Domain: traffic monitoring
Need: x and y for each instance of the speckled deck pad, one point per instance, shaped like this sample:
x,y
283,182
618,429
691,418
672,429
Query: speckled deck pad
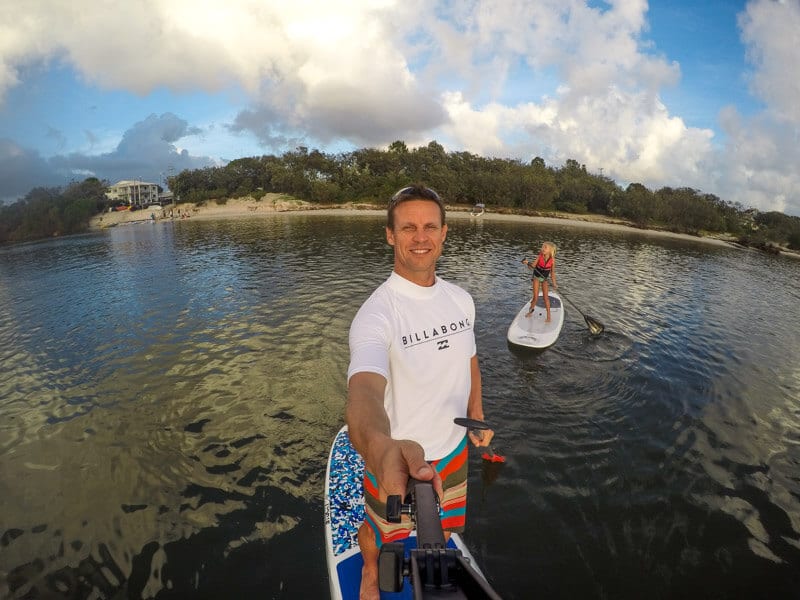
x,y
346,493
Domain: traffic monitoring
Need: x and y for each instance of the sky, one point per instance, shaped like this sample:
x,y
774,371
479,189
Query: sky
x,y
680,93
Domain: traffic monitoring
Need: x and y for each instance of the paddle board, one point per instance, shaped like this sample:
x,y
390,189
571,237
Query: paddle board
x,y
532,331
344,513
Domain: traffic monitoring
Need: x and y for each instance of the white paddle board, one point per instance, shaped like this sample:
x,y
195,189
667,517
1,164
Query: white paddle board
x,y
344,514
532,331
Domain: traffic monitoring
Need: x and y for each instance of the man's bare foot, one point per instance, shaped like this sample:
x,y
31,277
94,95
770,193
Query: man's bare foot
x,y
369,584
547,320
529,313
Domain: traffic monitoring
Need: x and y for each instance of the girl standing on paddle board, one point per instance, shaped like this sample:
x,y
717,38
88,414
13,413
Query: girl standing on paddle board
x,y
544,267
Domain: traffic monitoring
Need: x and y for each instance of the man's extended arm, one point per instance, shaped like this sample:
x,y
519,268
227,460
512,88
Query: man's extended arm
x,y
391,461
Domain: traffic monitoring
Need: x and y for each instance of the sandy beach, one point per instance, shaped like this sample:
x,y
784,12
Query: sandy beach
x,y
274,203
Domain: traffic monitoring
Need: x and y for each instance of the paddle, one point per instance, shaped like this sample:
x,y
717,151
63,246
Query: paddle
x,y
476,427
595,326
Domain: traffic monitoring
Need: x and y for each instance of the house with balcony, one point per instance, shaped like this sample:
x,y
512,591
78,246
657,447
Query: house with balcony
x,y
136,194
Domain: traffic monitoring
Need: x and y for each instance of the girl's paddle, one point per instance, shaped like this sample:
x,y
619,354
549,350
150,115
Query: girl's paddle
x,y
595,326
476,427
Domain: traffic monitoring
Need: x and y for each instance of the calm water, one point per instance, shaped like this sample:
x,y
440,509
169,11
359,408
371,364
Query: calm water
x,y
169,392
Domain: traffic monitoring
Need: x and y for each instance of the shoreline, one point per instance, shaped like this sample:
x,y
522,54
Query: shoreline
x,y
278,203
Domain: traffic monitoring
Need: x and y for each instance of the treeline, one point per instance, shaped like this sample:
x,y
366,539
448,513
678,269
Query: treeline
x,y
372,175
48,212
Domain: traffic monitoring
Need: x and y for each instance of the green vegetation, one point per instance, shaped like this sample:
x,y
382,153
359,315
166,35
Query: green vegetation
x,y
49,212
372,175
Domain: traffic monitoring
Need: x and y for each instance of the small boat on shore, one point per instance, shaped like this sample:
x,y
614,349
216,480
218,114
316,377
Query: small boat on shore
x,y
477,210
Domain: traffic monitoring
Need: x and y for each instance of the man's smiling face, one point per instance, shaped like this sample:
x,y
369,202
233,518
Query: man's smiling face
x,y
417,238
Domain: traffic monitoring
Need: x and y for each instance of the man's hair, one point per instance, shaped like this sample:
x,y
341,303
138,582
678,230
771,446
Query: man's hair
x,y
416,191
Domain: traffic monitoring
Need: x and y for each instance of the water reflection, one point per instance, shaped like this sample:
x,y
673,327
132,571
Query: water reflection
x,y
170,391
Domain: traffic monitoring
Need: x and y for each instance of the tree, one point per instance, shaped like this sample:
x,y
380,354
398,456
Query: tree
x,y
635,204
47,212
398,147
372,174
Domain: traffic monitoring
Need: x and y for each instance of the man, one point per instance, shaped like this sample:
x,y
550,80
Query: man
x,y
413,369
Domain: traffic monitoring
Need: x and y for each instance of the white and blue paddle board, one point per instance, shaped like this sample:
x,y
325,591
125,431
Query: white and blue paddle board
x,y
344,514
531,331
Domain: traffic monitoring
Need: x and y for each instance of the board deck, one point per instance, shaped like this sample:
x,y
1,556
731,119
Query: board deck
x,y
532,331
344,513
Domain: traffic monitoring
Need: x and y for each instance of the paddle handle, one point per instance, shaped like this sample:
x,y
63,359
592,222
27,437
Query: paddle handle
x,y
471,423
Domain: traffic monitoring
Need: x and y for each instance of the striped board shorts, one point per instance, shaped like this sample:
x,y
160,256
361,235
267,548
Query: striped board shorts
x,y
453,471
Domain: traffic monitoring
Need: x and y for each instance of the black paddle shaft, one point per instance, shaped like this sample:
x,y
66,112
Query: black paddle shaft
x,y
595,326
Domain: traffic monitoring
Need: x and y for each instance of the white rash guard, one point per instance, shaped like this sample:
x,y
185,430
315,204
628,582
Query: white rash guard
x,y
421,339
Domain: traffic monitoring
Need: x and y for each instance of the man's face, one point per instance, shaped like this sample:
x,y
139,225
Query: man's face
x,y
417,238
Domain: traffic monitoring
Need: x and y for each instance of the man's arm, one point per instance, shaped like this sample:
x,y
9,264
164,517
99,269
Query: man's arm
x,y
391,461
475,404
367,421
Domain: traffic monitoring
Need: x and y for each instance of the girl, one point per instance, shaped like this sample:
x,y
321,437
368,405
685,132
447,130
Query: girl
x,y
544,267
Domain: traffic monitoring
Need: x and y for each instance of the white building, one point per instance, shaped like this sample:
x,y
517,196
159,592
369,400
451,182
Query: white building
x,y
133,193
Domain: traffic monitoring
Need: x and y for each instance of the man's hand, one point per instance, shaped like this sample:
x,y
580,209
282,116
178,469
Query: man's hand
x,y
480,437
399,460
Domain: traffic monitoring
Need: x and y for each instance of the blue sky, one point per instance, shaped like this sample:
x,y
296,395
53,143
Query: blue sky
x,y
663,93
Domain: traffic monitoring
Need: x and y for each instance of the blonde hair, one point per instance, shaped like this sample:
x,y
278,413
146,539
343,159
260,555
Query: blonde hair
x,y
552,247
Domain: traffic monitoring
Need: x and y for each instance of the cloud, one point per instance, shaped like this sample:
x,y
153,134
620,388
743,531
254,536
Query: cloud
x,y
552,78
771,31
330,70
346,78
605,113
147,151
758,165
22,169
57,136
266,125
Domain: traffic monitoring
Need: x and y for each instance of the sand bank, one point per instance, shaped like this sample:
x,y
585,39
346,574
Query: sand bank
x,y
239,207
276,203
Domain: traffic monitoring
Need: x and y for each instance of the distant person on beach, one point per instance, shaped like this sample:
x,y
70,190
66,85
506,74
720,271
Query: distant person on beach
x,y
413,369
543,267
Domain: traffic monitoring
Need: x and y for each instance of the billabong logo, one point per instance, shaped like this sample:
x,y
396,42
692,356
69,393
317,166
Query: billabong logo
x,y
443,345
429,335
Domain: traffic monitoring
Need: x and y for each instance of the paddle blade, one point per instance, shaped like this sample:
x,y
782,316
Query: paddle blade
x,y
495,458
596,327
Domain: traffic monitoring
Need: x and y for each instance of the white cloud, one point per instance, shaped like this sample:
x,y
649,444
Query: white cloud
x,y
628,136
332,68
758,166
606,113
771,31
370,72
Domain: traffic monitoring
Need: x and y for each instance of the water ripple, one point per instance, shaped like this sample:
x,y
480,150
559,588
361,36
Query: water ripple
x,y
169,394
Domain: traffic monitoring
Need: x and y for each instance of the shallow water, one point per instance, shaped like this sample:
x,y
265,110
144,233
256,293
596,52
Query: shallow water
x,y
169,393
